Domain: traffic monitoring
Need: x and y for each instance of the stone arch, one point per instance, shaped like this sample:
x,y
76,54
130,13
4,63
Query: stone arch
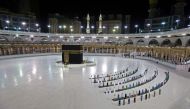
x,y
97,40
178,42
188,43
140,42
153,42
18,39
42,40
166,42
129,42
1,50
87,40
3,39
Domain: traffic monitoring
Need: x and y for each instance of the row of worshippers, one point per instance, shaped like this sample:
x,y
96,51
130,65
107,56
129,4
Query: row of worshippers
x,y
103,84
145,92
130,99
115,77
130,86
108,75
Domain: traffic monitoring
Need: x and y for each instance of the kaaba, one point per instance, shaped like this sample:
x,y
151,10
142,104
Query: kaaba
x,y
72,54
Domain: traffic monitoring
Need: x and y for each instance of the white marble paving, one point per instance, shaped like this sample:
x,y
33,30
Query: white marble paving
x,y
38,83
